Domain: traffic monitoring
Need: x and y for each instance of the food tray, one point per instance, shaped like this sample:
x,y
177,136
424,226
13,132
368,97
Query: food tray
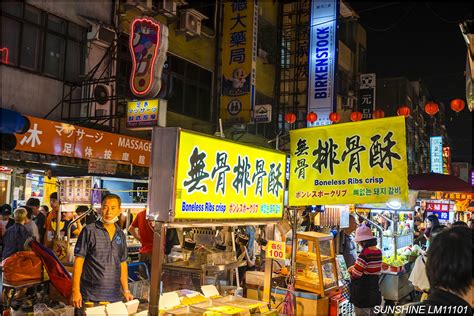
x,y
181,311
219,308
252,306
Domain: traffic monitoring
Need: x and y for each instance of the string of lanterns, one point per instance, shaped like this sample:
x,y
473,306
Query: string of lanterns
x,y
431,108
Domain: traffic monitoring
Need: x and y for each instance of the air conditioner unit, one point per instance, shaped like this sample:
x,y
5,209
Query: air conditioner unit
x,y
190,22
101,35
142,5
263,54
169,8
99,103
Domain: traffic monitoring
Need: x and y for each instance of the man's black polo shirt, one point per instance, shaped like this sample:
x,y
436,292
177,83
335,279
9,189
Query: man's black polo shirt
x,y
100,279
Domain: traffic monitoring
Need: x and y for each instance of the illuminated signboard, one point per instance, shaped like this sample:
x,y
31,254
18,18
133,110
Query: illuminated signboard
x,y
144,114
436,154
446,160
239,60
351,163
148,46
219,179
322,59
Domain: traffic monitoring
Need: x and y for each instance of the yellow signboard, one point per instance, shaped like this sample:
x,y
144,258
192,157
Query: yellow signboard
x,y
239,60
142,113
350,163
219,179
276,250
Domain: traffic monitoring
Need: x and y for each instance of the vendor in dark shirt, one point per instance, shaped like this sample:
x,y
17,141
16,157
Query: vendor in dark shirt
x,y
16,236
100,266
38,217
6,210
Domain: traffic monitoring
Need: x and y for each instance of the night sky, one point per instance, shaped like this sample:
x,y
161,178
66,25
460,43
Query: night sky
x,y
422,40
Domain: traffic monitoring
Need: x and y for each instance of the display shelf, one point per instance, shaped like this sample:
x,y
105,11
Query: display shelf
x,y
316,264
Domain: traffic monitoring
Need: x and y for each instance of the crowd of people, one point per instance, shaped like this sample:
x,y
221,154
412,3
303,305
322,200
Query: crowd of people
x,y
38,222
442,273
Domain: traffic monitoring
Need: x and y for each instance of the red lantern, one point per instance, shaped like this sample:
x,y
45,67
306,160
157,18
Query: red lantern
x,y
290,118
404,110
356,116
379,113
311,117
457,105
334,117
431,108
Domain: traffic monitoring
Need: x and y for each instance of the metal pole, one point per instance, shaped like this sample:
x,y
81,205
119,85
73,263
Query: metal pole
x,y
267,281
157,256
58,216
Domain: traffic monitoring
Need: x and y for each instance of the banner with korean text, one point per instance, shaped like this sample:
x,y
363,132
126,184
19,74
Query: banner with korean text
x,y
239,60
62,139
219,179
350,163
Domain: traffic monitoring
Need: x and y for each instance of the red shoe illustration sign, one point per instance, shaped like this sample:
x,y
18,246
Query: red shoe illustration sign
x,y
148,46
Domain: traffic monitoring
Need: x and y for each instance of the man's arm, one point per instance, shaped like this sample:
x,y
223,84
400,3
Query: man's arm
x,y
133,230
76,282
124,281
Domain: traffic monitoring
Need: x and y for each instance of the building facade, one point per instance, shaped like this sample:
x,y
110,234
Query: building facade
x,y
294,63
70,64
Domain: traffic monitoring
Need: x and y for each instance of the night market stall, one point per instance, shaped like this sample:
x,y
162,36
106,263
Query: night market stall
x,y
207,186
354,163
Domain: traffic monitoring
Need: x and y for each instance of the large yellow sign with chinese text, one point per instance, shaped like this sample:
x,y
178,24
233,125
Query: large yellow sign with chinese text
x,y
350,163
219,179
239,60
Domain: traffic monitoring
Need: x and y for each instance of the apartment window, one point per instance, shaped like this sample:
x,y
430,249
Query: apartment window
x,y
190,90
43,43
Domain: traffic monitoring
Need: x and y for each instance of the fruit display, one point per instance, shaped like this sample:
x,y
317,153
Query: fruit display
x,y
404,255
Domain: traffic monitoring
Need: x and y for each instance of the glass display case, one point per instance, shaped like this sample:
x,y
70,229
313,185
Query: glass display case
x,y
316,269
395,230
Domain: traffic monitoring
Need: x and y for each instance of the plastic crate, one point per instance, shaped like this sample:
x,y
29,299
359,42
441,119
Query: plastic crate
x,y
339,306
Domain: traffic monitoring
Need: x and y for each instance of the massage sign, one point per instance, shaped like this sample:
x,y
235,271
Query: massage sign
x,y
351,163
148,46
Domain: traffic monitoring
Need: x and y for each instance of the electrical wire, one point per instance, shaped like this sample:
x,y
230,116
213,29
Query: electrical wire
x,y
440,17
392,26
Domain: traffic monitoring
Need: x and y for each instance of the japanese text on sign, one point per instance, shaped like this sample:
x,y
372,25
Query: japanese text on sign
x,y
276,250
218,179
55,138
363,162
239,59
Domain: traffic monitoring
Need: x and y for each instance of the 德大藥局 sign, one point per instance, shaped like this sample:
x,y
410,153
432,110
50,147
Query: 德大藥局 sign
x,y
239,60
351,163
219,179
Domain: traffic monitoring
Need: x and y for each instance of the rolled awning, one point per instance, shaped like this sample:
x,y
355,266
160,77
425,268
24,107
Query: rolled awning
x,y
438,182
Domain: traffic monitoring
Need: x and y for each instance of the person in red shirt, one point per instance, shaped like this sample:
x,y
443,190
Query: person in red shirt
x,y
142,230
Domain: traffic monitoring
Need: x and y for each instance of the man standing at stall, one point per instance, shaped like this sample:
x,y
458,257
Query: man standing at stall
x,y
49,229
141,229
347,245
100,268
